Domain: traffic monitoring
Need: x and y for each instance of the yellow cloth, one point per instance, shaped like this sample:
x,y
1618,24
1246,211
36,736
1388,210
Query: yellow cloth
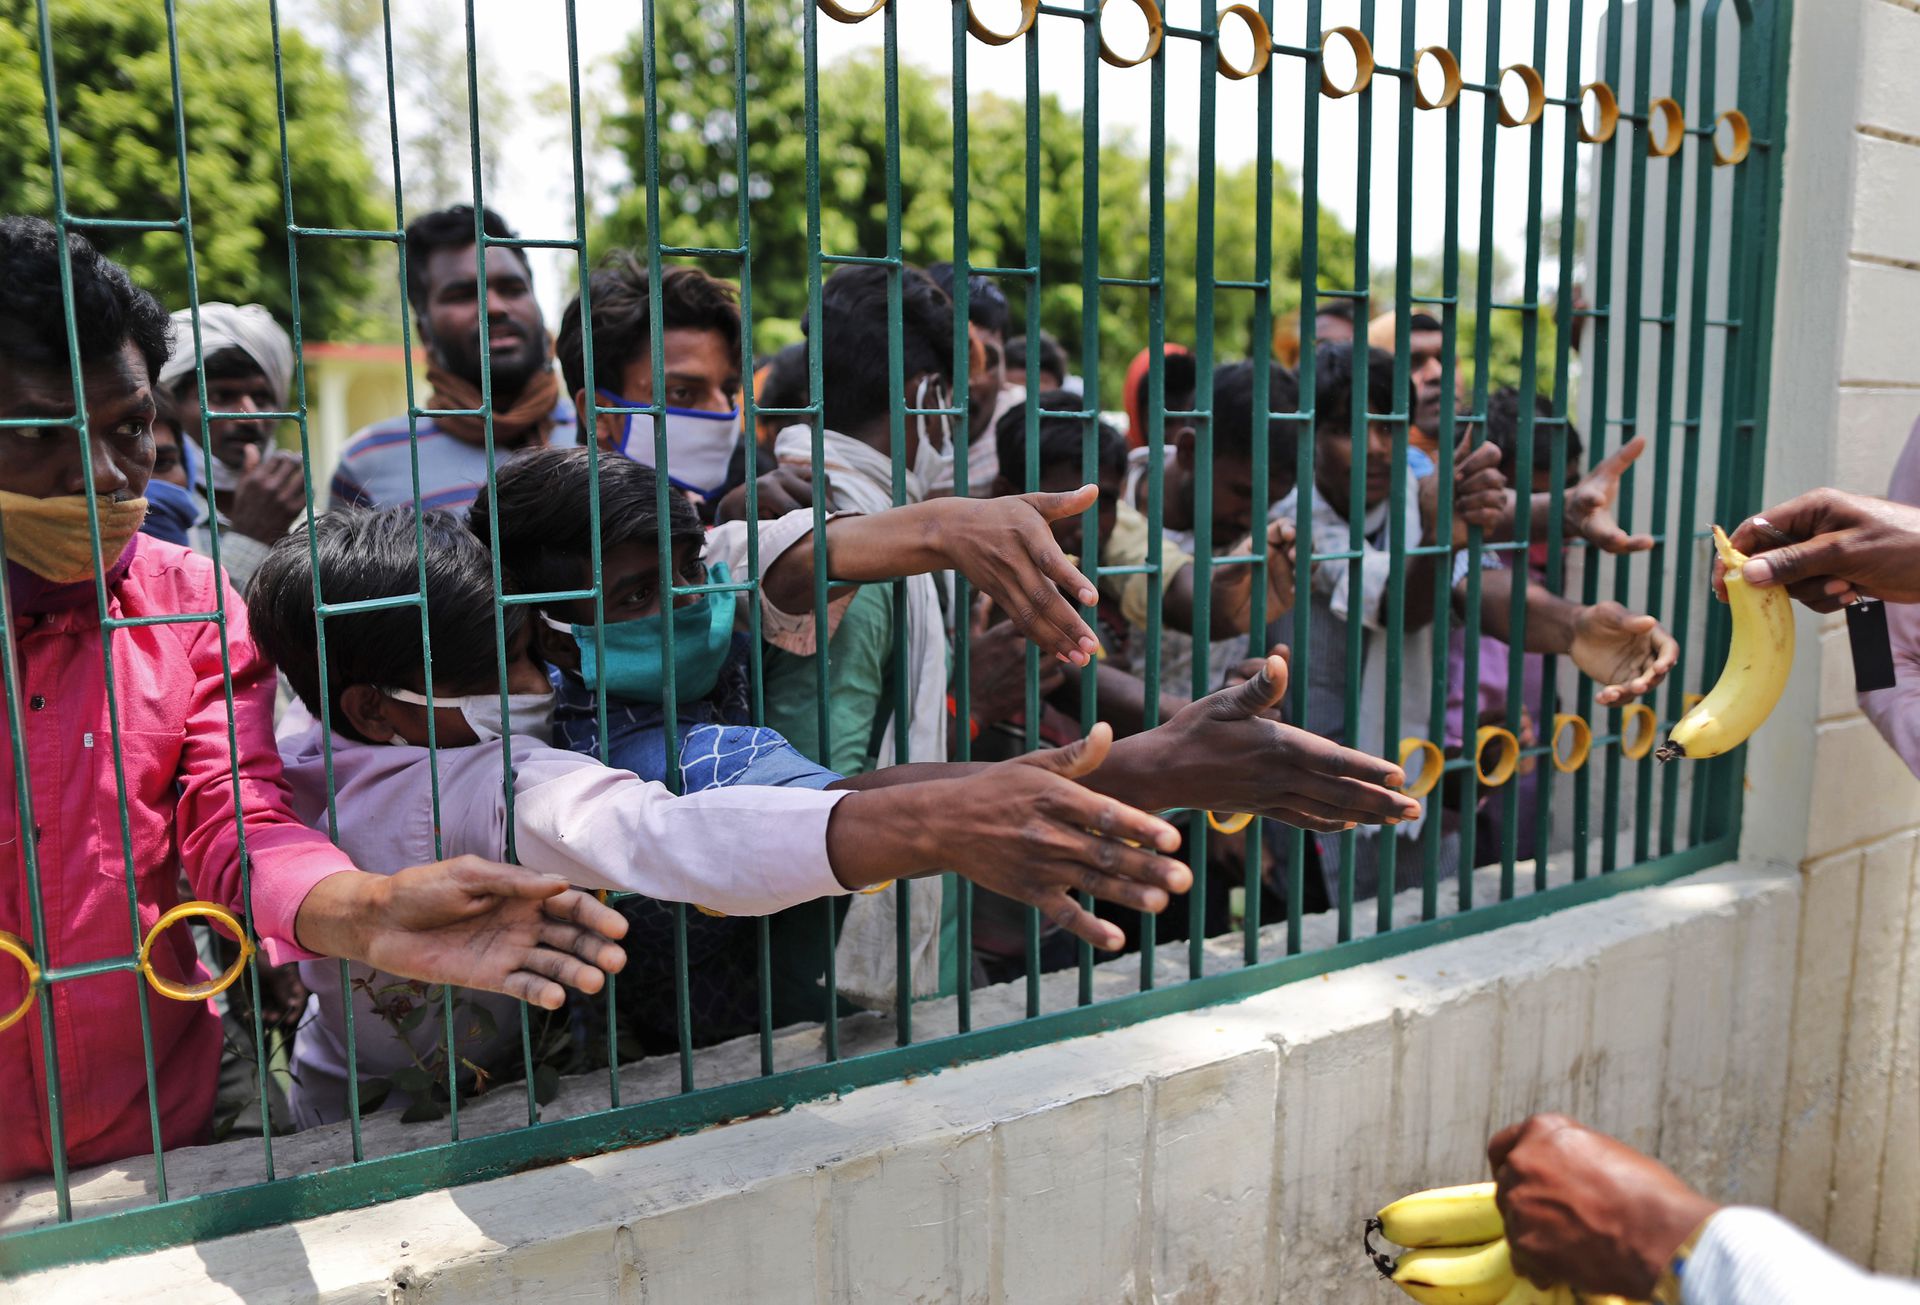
x,y
1127,546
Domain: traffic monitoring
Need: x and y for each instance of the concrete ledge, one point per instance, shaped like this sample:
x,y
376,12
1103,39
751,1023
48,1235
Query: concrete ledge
x,y
1224,1154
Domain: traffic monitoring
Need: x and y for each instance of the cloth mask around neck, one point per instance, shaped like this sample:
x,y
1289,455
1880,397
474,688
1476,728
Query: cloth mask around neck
x,y
50,536
700,444
933,466
635,650
528,714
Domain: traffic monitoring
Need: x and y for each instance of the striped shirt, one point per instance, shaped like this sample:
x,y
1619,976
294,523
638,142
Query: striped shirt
x,y
376,468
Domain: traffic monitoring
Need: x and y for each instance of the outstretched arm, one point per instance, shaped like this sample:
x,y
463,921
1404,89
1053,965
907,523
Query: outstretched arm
x,y
469,922
1002,545
1224,753
1626,653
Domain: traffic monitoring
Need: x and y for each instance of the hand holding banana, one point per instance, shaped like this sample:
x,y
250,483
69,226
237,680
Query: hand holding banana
x,y
1457,1251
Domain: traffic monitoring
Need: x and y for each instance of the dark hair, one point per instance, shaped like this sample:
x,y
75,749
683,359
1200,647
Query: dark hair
x,y
1180,375
1052,357
109,310
1423,322
371,554
545,532
1340,308
1061,438
447,228
786,382
1333,386
1233,423
623,317
986,302
1503,432
228,364
853,306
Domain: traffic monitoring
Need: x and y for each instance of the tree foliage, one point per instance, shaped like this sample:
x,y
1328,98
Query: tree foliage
x,y
117,140
699,188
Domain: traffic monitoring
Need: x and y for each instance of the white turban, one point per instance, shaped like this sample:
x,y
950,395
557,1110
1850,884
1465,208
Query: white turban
x,y
246,327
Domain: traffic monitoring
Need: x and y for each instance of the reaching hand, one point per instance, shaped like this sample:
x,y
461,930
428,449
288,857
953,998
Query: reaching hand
x,y
271,495
1848,545
469,922
1586,1210
1004,546
1479,493
1626,653
1025,830
1589,504
997,668
1226,753
1233,585
779,492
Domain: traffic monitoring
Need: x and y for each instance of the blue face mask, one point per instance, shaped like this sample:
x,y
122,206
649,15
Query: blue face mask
x,y
702,637
700,444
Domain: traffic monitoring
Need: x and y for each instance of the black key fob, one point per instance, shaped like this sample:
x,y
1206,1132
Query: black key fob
x,y
1871,644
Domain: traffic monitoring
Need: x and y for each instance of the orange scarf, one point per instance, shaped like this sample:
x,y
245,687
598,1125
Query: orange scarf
x,y
527,423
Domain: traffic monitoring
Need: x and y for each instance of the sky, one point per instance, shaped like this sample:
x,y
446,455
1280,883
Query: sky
x,y
525,42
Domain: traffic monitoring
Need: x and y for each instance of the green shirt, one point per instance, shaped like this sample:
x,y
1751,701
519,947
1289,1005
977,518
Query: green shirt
x,y
859,657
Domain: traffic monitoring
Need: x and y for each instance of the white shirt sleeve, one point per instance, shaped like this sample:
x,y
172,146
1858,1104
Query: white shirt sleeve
x,y
747,850
1754,1257
796,632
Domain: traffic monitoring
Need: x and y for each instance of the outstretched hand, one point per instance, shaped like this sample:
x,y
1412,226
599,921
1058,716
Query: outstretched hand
x,y
1066,839
1626,653
1005,547
1225,752
474,923
1589,504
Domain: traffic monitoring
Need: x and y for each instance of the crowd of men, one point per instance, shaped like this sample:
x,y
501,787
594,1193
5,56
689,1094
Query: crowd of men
x,y
675,736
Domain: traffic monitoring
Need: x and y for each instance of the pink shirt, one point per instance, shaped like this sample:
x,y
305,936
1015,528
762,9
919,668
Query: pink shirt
x,y
1895,712
180,814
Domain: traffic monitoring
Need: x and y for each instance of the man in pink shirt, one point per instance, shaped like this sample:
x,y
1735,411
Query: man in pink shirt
x,y
114,795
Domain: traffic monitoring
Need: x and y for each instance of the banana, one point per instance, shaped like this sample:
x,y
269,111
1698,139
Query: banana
x,y
1758,660
1525,1293
1456,1275
1445,1216
1590,1298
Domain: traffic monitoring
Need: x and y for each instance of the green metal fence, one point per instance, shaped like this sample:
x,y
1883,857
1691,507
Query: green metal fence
x,y
1681,357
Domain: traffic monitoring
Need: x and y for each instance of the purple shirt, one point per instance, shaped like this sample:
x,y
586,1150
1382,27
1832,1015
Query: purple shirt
x,y
1895,712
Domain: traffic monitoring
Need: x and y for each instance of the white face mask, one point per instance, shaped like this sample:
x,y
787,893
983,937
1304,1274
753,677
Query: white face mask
x,y
929,460
528,714
700,445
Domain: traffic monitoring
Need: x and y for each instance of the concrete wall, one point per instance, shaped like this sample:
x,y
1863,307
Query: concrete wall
x,y
1227,1155
1846,391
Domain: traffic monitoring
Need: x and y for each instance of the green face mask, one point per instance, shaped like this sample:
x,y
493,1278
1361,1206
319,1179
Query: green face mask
x,y
702,637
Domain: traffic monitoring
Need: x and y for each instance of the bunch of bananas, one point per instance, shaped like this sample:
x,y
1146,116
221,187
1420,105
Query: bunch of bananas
x,y
1457,1252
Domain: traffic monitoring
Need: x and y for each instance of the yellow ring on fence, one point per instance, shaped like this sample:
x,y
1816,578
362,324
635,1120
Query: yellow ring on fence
x,y
1362,62
840,13
1233,824
1433,761
13,947
876,888
708,910
212,987
1742,139
1638,730
1449,77
1536,95
1688,701
1665,147
1156,29
1509,754
1607,108
1262,44
1582,742
1029,10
